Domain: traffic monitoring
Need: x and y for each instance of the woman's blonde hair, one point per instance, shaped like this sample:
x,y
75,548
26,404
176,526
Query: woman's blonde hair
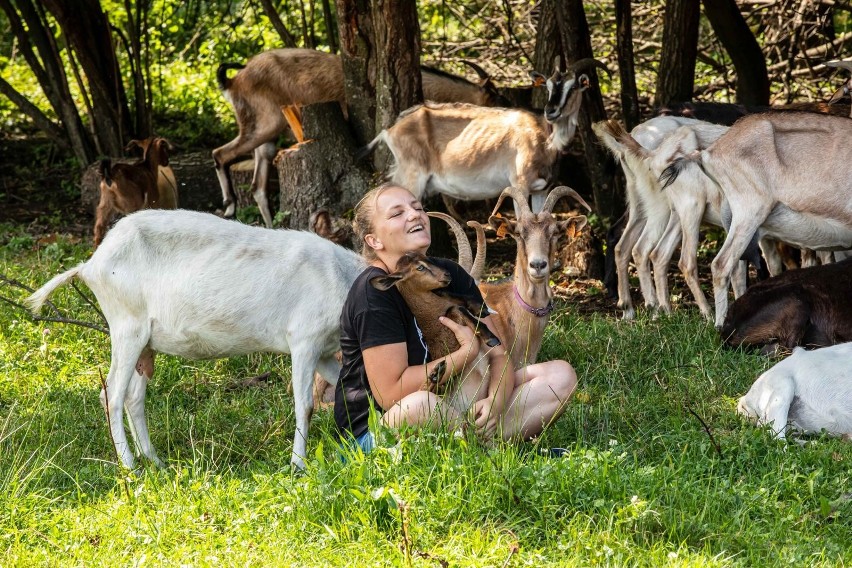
x,y
362,222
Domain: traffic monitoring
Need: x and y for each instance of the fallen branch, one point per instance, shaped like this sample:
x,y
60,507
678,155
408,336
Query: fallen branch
x,y
59,316
706,429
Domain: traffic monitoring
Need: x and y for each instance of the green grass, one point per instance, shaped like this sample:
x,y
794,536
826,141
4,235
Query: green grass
x,y
643,484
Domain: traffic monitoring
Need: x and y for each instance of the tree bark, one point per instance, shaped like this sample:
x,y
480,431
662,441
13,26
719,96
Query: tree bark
x,y
626,71
321,173
742,47
574,37
330,26
87,30
676,74
358,52
548,46
398,81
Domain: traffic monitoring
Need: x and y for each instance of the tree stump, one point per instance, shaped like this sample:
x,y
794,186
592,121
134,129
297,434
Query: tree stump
x,y
321,173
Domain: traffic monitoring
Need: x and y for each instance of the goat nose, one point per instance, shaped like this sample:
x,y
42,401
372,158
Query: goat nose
x,y
538,265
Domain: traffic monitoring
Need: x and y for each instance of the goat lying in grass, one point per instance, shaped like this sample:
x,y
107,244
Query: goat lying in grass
x,y
809,391
194,285
809,307
418,281
146,184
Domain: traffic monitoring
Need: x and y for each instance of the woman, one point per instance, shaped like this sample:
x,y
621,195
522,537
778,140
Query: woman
x,y
385,362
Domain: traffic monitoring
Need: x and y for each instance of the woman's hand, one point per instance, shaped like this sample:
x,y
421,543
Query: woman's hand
x,y
486,416
468,349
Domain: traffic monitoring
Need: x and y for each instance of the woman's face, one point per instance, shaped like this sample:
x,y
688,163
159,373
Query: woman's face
x,y
400,224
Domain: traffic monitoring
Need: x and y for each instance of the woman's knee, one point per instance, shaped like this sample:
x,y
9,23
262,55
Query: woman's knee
x,y
562,378
413,409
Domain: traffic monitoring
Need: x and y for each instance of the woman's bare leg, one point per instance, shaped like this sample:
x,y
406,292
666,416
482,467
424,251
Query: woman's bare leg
x,y
542,391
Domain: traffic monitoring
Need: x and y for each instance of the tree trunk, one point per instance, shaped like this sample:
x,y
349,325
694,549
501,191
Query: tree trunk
x,y
50,73
357,51
321,173
626,71
398,81
286,37
742,47
676,74
547,47
87,30
574,37
330,26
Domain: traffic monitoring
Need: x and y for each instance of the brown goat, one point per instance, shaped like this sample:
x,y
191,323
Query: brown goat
x,y
417,279
275,80
148,183
523,303
810,307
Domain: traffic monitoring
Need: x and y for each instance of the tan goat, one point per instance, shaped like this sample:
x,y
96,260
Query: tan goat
x,y
523,303
148,183
276,80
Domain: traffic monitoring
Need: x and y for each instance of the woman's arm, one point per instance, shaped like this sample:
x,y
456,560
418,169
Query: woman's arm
x,y
391,379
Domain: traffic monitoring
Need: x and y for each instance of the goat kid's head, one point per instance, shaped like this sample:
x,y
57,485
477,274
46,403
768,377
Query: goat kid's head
x,y
415,270
565,89
161,146
537,233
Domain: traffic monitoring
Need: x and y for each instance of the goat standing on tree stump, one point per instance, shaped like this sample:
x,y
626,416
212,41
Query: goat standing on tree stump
x,y
268,90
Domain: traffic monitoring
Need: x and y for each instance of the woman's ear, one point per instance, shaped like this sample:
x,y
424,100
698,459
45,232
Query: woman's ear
x,y
373,241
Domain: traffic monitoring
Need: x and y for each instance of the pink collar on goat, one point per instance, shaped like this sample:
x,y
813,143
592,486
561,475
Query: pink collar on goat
x,y
540,312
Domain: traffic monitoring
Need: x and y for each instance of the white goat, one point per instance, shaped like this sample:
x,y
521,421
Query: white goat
x,y
194,285
649,209
782,176
469,152
809,391
280,79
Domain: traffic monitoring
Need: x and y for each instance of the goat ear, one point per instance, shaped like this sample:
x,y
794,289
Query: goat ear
x,y
573,227
502,225
133,144
537,78
385,282
583,81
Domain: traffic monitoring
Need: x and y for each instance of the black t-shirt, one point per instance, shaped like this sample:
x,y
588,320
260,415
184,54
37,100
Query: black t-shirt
x,y
371,318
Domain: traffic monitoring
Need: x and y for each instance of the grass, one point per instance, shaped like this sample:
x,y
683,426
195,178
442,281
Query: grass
x,y
643,483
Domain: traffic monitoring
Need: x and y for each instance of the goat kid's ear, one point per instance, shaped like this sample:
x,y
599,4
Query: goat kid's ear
x,y
573,227
385,282
583,82
538,79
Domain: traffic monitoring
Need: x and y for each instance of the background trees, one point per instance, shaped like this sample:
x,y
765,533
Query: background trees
x,y
91,77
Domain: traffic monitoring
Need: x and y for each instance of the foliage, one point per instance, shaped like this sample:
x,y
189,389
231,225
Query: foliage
x,y
642,483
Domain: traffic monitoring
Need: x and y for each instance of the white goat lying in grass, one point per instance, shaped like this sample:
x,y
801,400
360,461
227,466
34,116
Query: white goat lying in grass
x,y
194,285
810,391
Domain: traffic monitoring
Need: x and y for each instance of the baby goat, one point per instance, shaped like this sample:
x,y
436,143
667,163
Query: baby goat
x,y
278,79
419,281
469,152
809,307
191,284
147,183
809,391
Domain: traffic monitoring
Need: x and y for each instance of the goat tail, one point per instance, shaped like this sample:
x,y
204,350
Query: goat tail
x,y
671,173
39,297
104,169
222,74
368,149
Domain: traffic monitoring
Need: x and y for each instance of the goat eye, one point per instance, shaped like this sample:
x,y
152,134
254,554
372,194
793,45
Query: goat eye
x,y
421,268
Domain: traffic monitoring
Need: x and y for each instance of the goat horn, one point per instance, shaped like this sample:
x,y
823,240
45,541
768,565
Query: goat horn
x,y
587,63
465,254
560,192
516,194
841,64
479,260
479,70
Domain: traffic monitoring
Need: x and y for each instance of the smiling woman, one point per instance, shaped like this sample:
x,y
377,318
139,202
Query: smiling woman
x,y
386,362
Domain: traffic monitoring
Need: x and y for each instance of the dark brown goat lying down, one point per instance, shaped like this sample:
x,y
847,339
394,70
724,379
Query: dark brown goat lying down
x,y
811,307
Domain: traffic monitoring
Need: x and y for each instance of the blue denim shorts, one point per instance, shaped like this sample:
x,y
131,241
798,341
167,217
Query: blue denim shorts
x,y
366,442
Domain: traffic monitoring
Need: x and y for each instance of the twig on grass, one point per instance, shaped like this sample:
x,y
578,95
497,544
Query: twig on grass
x,y
59,317
109,429
706,429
